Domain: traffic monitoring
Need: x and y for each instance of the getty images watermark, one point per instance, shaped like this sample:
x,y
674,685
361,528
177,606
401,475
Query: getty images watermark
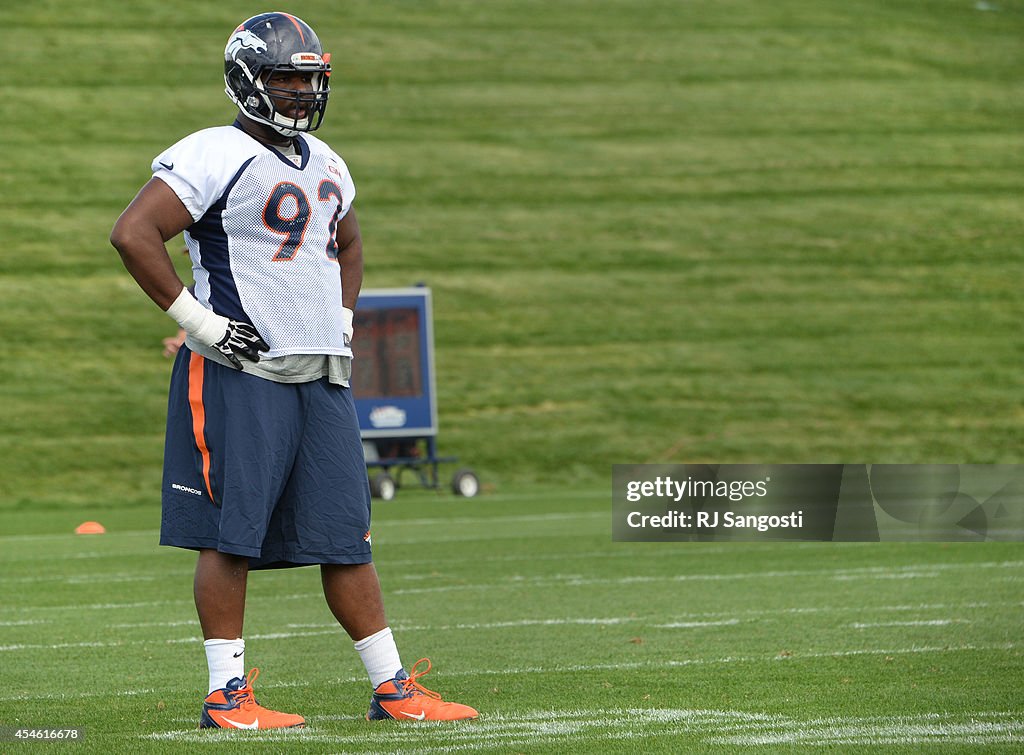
x,y
668,489
852,502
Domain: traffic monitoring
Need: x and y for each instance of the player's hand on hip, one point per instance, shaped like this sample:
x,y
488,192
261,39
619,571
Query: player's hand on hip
x,y
241,340
231,338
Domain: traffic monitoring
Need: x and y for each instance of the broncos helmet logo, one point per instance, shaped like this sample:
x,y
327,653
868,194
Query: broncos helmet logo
x,y
243,40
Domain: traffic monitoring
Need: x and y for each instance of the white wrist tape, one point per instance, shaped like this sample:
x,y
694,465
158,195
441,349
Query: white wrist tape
x,y
203,325
346,321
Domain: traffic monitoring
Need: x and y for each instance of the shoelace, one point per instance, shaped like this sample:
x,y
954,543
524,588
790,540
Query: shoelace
x,y
410,685
245,696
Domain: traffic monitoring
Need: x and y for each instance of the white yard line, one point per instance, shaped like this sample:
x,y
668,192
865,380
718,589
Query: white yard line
x,y
143,624
913,571
319,630
100,577
577,727
895,731
576,580
673,553
730,617
551,669
922,623
68,695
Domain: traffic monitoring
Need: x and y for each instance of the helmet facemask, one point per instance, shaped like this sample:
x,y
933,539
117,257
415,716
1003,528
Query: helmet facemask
x,y
313,101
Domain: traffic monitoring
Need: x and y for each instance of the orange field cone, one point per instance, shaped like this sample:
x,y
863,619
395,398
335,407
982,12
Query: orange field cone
x,y
90,528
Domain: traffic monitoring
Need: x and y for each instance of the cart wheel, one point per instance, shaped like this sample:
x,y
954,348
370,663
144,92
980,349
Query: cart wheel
x,y
383,486
465,483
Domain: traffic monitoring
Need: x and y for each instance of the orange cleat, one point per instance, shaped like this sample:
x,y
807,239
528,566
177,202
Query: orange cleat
x,y
404,699
235,707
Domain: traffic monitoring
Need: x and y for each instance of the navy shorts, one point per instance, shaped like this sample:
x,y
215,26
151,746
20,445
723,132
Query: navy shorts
x,y
272,471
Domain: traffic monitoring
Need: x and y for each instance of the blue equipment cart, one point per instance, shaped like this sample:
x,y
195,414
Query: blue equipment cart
x,y
395,392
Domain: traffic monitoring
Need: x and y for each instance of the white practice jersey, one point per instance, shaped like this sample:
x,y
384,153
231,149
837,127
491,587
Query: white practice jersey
x,y
263,243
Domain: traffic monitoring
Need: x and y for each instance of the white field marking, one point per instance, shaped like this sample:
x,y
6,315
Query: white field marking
x,y
795,657
577,668
696,624
687,617
706,614
432,540
705,618
76,695
65,645
423,521
105,606
68,535
858,609
922,729
448,522
319,631
140,624
24,623
575,580
544,623
921,623
898,651
898,575
88,579
562,729
173,641
602,621
676,554
336,629
154,603
693,550
493,730
144,577
866,609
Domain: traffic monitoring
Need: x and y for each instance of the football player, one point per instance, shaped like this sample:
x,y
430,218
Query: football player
x,y
263,463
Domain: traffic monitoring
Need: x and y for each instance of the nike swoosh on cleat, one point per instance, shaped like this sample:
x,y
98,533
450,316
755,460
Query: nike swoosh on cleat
x,y
168,166
254,725
420,717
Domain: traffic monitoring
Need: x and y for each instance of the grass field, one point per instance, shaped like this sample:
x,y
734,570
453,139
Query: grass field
x,y
656,231
560,638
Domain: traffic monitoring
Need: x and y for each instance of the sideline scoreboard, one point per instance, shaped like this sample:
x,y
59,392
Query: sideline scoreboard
x,y
393,370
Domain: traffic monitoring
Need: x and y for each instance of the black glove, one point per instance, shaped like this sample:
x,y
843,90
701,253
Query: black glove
x,y
241,339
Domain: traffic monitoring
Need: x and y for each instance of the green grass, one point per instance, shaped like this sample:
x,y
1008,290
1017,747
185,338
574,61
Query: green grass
x,y
656,231
561,639
781,232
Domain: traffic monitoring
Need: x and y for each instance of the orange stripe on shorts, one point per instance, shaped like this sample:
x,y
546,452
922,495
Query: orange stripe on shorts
x,y
195,402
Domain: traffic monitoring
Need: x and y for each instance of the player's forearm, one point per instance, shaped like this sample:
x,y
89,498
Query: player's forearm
x,y
351,260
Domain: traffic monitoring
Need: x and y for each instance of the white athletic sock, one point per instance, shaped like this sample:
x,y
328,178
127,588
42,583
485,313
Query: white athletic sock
x,y
380,656
226,659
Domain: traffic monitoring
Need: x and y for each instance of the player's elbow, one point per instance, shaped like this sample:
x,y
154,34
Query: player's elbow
x,y
119,236
351,253
125,236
